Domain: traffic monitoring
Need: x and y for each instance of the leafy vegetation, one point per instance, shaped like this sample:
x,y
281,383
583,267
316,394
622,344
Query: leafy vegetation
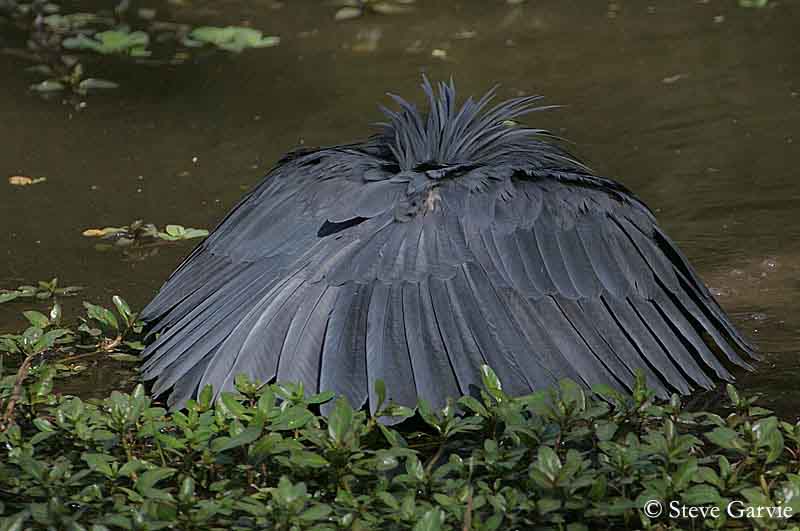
x,y
231,38
753,3
43,289
264,457
110,42
139,232
61,44
357,8
138,240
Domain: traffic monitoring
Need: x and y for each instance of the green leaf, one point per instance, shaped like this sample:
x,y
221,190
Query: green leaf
x,y
102,315
548,463
753,3
247,436
701,495
8,296
473,405
572,394
393,437
195,233
339,421
348,13
605,429
733,395
292,418
175,230
48,85
31,336
432,520
33,468
232,404
123,308
127,358
100,463
309,459
150,477
726,438
111,42
55,313
380,393
492,383
49,338
548,505
43,424
92,83
37,319
206,395
317,512
232,38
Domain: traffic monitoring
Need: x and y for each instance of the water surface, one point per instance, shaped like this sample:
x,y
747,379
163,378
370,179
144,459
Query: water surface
x,y
693,105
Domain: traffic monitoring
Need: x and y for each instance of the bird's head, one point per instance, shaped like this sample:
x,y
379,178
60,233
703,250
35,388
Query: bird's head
x,y
447,140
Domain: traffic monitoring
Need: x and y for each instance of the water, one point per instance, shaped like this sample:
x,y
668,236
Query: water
x,y
693,105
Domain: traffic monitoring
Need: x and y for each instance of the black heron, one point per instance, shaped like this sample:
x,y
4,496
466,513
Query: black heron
x,y
453,238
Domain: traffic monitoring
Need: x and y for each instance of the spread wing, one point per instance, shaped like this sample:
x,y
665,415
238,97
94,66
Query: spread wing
x,y
337,271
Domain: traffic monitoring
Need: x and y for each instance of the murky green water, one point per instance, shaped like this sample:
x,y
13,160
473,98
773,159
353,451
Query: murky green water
x,y
693,105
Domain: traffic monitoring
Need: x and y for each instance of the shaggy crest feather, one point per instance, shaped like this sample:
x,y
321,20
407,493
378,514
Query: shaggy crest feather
x,y
471,134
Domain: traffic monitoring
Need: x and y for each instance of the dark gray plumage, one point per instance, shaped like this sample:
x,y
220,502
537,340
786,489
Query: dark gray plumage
x,y
451,239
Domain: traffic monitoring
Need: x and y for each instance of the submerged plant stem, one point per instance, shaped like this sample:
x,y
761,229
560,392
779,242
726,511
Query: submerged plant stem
x,y
22,373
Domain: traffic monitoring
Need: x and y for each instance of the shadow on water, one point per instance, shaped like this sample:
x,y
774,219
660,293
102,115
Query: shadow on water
x,y
693,105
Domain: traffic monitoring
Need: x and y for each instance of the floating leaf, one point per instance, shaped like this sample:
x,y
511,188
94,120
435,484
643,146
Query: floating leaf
x,y
99,233
389,8
348,13
49,85
178,232
43,70
69,22
91,83
232,38
24,180
128,358
111,42
7,296
175,230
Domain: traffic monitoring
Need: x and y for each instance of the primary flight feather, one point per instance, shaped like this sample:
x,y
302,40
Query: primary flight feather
x,y
453,238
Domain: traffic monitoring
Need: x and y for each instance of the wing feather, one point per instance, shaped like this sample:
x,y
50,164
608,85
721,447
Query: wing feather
x,y
542,273
343,368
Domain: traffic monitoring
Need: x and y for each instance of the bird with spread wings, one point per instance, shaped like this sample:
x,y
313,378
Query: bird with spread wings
x,y
453,238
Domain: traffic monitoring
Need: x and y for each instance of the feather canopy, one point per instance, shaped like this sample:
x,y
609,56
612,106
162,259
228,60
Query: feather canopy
x,y
451,239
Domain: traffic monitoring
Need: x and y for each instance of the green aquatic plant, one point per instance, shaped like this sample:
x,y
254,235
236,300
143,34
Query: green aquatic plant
x,y
263,457
44,289
49,341
61,44
99,330
753,3
351,9
178,232
133,43
140,233
231,38
72,80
